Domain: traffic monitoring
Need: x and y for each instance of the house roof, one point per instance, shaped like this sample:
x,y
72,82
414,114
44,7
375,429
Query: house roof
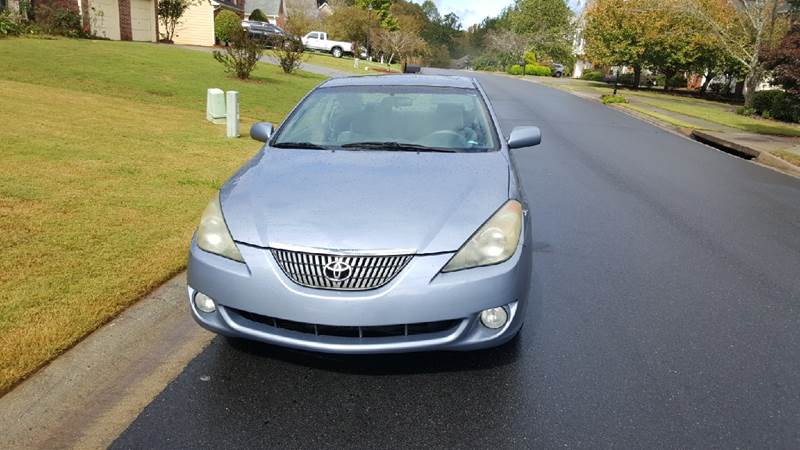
x,y
268,7
309,7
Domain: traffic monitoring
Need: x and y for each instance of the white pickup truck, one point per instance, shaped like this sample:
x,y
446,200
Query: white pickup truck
x,y
317,40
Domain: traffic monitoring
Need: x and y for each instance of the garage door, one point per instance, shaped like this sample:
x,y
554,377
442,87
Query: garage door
x,y
104,17
143,20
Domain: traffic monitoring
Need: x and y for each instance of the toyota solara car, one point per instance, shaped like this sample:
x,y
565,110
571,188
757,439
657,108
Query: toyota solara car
x,y
384,215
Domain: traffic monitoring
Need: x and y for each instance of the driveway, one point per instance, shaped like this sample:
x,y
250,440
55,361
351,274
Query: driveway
x,y
666,313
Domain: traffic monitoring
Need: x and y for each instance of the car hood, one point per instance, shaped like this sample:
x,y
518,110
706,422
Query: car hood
x,y
369,201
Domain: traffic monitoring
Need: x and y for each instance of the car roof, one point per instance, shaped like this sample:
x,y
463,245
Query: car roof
x,y
404,80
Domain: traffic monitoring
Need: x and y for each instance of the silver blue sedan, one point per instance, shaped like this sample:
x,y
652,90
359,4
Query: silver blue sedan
x,y
384,215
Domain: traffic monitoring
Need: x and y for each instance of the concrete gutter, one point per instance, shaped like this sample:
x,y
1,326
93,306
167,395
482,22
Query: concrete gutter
x,y
86,397
721,141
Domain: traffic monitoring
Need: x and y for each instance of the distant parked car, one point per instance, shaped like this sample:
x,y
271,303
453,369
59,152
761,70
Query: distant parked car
x,y
317,40
263,30
558,70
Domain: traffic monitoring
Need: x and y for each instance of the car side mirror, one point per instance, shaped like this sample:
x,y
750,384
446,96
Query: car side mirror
x,y
524,137
261,131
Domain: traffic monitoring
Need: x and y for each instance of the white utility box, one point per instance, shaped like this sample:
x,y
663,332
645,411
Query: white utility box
x,y
232,128
215,106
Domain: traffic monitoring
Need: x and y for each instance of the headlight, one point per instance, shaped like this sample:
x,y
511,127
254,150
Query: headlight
x,y
213,235
495,242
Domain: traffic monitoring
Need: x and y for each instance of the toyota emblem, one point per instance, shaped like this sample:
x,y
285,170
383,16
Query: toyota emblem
x,y
337,271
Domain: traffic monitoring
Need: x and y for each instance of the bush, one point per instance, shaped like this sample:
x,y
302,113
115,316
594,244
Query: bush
x,y
516,69
763,100
226,26
538,71
677,81
745,111
530,58
10,23
242,55
290,53
258,16
486,63
58,20
607,99
592,75
785,107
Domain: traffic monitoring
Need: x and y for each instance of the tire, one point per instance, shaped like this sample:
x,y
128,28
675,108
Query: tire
x,y
336,52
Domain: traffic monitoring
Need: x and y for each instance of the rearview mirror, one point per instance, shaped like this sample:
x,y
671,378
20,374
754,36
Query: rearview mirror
x,y
524,137
261,131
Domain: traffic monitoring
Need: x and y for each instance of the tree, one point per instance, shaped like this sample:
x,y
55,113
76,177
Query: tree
x,y
509,47
241,56
258,16
170,13
353,24
616,34
547,24
400,44
383,9
227,24
784,61
747,30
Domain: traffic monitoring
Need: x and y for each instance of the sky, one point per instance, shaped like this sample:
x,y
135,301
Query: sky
x,y
472,12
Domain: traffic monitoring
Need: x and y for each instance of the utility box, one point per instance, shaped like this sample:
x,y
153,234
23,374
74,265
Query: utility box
x,y
232,127
215,106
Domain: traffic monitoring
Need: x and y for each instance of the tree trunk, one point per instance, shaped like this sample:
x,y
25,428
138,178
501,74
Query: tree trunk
x,y
668,74
637,76
751,82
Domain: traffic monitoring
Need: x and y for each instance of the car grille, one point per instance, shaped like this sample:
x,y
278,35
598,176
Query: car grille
x,y
339,272
411,329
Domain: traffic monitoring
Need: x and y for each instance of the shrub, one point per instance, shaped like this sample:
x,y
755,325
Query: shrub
x,y
10,23
170,13
58,20
607,99
785,107
290,53
241,56
258,16
592,75
763,100
226,26
516,69
538,71
677,81
486,63
745,111
530,58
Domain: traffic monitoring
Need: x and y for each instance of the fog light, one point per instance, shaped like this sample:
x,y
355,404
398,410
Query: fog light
x,y
494,318
204,303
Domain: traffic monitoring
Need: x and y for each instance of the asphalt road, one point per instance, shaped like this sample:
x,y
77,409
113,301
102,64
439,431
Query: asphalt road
x,y
666,314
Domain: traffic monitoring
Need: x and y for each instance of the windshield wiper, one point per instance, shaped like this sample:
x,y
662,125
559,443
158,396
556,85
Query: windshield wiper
x,y
398,146
308,145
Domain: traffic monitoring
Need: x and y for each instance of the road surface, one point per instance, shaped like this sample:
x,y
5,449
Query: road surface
x,y
666,313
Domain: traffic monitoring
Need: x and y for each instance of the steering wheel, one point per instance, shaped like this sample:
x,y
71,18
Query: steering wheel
x,y
448,137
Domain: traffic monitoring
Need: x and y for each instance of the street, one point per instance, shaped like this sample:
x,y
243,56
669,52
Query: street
x,y
665,314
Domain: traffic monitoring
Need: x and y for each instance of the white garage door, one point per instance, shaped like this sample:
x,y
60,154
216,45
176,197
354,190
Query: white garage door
x,y
143,20
105,18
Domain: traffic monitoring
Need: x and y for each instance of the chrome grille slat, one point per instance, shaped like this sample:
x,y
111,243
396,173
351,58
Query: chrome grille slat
x,y
367,272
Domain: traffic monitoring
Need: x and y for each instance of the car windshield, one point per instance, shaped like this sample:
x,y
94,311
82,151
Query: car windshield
x,y
392,118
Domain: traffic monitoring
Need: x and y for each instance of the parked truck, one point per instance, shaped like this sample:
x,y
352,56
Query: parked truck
x,y
318,41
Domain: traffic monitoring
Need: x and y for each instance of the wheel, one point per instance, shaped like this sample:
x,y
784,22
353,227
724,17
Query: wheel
x,y
336,52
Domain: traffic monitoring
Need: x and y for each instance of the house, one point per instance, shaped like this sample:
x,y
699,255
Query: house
x,y
197,25
125,20
325,9
275,10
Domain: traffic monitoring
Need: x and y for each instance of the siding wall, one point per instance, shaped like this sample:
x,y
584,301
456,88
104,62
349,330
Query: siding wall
x,y
197,25
104,19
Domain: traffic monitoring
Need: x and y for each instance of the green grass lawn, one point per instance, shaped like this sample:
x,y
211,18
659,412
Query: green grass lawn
x,y
345,64
107,162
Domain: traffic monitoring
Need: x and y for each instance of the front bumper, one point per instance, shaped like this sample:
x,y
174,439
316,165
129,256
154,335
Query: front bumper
x,y
419,294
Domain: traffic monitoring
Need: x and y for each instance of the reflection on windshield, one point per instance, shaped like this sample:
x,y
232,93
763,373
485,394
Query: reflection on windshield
x,y
406,117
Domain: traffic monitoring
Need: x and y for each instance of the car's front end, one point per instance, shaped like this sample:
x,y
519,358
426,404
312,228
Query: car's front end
x,y
366,251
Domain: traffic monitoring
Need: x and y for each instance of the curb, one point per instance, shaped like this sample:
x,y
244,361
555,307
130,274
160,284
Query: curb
x,y
87,396
762,157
